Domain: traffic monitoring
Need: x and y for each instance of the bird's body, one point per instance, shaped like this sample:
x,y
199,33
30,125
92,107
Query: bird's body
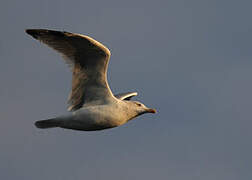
x,y
93,105
98,117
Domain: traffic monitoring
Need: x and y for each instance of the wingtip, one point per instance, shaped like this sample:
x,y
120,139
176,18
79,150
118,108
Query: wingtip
x,y
29,31
34,33
40,32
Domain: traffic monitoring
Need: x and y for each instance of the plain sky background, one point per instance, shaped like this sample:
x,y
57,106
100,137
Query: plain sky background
x,y
191,60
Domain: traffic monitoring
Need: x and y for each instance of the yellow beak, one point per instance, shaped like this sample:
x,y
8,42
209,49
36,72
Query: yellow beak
x,y
151,110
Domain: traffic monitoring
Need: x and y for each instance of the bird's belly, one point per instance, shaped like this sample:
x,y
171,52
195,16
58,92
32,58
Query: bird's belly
x,y
84,126
92,122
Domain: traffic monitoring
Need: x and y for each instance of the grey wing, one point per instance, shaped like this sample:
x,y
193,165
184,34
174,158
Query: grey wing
x,y
88,60
126,96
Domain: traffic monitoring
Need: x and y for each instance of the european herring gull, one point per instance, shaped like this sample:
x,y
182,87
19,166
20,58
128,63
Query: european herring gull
x,y
92,104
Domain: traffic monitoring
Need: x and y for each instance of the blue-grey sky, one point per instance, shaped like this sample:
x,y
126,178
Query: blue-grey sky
x,y
191,60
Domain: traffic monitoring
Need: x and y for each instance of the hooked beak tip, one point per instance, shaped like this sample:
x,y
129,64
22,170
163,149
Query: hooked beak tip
x,y
152,110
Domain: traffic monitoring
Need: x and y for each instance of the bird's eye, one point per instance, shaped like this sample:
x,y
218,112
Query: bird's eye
x,y
139,104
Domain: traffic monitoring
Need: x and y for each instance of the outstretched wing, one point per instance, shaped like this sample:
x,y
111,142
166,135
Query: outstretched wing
x,y
89,62
126,96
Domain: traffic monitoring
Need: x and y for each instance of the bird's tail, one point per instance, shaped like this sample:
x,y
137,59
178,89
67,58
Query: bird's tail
x,y
49,123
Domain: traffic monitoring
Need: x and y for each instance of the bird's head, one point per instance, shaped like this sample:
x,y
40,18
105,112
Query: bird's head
x,y
140,108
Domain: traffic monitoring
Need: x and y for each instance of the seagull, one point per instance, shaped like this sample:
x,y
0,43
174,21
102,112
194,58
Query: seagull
x,y
92,104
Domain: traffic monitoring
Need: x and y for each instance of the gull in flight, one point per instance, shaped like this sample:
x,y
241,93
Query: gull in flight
x,y
92,104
